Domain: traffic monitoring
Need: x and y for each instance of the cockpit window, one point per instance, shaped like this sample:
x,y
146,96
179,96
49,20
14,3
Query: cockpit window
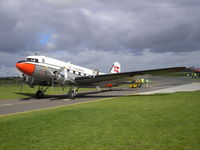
x,y
32,59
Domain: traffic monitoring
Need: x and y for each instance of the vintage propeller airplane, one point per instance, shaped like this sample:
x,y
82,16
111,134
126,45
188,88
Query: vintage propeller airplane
x,y
46,71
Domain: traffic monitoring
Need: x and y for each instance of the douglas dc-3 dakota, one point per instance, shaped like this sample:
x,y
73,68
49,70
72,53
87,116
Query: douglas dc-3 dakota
x,y
45,72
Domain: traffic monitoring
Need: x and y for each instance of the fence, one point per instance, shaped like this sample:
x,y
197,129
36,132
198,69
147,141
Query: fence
x,y
9,82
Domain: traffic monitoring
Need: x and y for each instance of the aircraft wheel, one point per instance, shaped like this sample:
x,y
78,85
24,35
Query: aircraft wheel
x,y
39,94
72,94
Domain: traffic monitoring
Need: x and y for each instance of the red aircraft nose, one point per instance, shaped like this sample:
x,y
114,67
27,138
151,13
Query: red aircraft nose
x,y
26,68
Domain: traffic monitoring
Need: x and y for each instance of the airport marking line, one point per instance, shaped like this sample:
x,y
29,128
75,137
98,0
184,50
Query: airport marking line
x,y
24,112
5,105
21,103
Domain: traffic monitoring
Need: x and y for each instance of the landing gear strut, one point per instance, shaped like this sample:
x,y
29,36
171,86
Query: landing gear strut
x,y
40,92
110,88
72,92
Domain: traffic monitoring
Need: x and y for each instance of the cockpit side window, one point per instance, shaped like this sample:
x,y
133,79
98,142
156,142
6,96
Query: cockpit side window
x,y
32,59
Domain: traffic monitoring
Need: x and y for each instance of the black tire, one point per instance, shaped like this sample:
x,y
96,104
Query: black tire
x,y
71,94
39,94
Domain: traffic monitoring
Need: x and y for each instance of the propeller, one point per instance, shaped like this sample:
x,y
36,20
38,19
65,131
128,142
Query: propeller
x,y
21,77
58,76
55,74
52,82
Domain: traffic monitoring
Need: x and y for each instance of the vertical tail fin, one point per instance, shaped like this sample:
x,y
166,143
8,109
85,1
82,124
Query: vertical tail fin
x,y
116,68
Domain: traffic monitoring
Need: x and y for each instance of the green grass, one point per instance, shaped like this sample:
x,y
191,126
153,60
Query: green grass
x,y
154,122
15,92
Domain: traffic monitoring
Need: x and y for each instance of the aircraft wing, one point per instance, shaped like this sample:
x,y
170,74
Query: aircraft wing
x,y
118,78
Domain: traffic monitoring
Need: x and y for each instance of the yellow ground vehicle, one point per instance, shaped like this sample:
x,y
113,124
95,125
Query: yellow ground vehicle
x,y
136,83
133,85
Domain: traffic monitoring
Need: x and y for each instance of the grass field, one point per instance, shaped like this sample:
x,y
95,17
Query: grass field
x,y
154,122
15,92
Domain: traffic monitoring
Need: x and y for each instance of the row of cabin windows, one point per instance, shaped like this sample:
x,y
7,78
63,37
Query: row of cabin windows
x,y
74,72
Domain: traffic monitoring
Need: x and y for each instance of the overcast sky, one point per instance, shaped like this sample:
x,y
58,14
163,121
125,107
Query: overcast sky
x,y
143,34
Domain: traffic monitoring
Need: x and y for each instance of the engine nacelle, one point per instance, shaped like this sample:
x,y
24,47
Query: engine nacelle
x,y
61,78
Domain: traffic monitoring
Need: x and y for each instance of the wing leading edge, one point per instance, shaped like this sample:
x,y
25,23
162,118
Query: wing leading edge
x,y
117,78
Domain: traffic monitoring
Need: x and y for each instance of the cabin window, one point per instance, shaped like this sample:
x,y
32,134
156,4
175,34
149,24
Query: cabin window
x,y
28,59
36,60
43,60
74,72
79,73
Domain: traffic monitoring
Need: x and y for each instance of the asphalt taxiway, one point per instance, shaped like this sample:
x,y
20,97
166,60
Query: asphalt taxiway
x,y
159,84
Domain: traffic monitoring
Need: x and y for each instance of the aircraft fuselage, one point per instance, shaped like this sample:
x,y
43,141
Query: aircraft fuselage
x,y
41,70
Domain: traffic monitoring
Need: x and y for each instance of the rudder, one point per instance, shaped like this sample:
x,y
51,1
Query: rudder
x,y
116,68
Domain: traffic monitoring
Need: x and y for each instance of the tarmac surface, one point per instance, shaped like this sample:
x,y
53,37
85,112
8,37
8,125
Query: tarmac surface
x,y
180,88
158,85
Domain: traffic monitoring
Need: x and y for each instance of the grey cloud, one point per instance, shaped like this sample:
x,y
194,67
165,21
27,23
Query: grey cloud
x,y
106,25
157,26
90,28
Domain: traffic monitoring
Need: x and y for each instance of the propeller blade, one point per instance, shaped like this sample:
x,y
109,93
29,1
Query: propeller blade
x,y
21,85
61,69
21,78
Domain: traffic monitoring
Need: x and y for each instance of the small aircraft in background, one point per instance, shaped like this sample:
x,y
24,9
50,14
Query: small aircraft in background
x,y
45,71
194,69
193,72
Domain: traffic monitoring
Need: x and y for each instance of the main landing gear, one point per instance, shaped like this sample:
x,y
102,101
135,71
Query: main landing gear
x,y
40,92
73,91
